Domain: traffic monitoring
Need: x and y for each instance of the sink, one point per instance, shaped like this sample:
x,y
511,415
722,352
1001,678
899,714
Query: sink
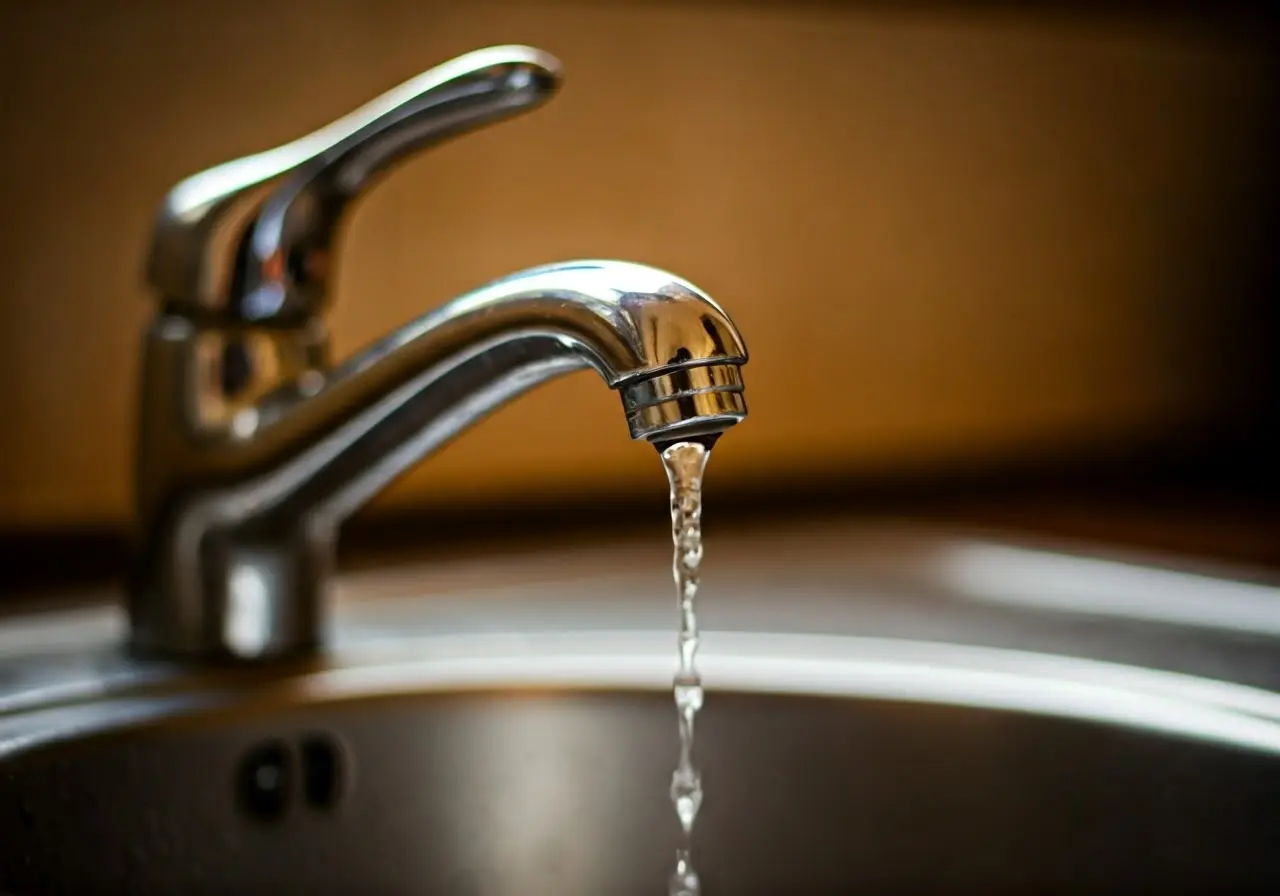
x,y
898,710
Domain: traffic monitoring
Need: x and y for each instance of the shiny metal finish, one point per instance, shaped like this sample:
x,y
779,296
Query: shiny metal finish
x,y
556,790
280,244
688,402
252,447
887,711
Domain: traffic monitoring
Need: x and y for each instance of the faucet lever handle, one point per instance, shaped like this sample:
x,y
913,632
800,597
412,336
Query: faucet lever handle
x,y
225,248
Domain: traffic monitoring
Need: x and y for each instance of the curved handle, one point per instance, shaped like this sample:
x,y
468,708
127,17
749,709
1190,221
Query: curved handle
x,y
219,248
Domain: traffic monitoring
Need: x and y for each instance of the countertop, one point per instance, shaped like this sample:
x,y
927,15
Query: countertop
x,y
1236,528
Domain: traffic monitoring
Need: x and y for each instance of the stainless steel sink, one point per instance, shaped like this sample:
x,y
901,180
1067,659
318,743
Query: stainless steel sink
x,y
888,711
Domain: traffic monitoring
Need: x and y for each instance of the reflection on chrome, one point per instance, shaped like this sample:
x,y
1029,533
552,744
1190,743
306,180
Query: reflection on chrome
x,y
192,198
547,787
1043,580
248,619
824,665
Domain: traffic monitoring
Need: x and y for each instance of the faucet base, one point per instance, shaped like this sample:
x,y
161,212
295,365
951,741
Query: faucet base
x,y
232,599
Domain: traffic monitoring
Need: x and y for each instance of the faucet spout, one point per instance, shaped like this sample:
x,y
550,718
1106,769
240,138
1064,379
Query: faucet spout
x,y
240,565
666,347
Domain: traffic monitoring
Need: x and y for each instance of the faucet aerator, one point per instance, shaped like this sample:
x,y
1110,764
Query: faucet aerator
x,y
685,404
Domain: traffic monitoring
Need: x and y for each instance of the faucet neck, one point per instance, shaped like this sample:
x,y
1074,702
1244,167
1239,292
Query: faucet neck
x,y
240,496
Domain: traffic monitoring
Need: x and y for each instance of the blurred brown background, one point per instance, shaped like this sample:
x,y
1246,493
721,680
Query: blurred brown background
x,y
957,237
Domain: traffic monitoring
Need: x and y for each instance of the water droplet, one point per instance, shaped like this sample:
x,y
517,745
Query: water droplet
x,y
686,795
688,698
684,880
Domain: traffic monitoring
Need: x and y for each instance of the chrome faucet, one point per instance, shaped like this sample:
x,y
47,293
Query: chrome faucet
x,y
252,447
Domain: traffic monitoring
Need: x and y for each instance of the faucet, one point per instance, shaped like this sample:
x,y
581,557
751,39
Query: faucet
x,y
252,447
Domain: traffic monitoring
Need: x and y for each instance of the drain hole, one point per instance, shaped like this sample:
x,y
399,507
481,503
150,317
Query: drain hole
x,y
263,781
321,771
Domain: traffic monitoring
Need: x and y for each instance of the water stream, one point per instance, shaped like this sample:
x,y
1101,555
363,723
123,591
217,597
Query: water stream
x,y
685,463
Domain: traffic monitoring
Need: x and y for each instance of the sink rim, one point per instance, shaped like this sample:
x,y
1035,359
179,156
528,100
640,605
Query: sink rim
x,y
833,666
909,630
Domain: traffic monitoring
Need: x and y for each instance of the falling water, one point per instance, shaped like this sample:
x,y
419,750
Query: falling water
x,y
685,463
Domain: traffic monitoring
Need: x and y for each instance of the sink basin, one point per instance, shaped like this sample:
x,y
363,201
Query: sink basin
x,y
899,711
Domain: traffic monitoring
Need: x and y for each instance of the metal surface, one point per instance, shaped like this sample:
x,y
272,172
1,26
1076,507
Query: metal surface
x,y
252,447
888,710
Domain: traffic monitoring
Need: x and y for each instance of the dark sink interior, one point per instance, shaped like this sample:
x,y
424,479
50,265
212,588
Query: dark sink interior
x,y
528,792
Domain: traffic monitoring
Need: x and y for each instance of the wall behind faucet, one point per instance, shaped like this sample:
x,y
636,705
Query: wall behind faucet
x,y
948,235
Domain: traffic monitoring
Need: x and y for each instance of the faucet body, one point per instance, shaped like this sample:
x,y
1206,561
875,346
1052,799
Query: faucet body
x,y
252,447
